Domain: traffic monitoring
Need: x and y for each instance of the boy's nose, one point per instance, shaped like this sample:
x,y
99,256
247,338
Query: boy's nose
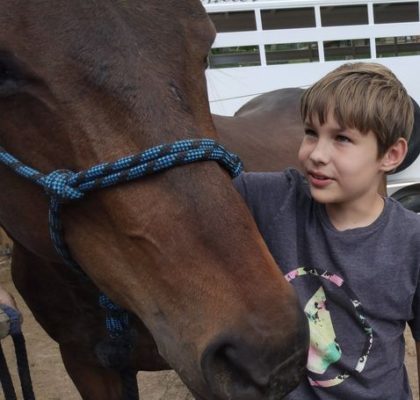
x,y
320,154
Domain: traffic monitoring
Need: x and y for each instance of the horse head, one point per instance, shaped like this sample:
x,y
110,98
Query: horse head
x,y
86,82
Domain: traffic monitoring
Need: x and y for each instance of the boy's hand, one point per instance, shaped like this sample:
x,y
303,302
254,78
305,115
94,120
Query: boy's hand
x,y
7,298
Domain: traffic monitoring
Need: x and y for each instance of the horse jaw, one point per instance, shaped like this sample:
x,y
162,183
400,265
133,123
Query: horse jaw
x,y
225,321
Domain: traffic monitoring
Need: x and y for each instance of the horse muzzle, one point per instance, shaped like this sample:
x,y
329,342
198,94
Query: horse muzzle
x,y
234,369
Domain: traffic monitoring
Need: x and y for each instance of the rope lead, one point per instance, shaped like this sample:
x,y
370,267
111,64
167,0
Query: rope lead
x,y
21,359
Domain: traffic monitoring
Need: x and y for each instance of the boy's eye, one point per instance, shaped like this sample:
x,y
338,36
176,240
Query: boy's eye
x,y
343,139
310,132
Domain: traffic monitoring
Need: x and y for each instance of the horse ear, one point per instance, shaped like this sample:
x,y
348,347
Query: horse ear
x,y
395,155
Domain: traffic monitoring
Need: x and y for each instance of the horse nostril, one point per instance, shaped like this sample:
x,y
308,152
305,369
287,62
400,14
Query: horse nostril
x,y
227,371
236,371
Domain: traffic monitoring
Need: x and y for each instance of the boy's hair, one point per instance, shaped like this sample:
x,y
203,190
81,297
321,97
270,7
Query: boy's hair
x,y
362,96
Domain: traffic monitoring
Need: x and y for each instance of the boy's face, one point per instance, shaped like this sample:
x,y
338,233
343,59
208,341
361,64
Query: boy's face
x,y
341,165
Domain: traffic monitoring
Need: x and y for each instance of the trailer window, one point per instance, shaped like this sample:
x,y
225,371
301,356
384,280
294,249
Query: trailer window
x,y
398,46
351,49
238,21
290,53
288,18
344,15
396,12
231,57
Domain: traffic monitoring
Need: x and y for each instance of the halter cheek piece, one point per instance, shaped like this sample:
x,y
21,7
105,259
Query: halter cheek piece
x,y
63,186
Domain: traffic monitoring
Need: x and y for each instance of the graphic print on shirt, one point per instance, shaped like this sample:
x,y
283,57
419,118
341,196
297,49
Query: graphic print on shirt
x,y
325,350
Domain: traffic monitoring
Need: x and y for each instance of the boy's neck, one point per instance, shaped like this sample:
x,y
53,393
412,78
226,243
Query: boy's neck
x,y
355,215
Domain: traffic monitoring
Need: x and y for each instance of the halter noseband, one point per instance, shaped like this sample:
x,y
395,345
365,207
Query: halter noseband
x,y
64,186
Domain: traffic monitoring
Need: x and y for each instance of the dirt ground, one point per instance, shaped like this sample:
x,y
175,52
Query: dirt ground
x,y
52,383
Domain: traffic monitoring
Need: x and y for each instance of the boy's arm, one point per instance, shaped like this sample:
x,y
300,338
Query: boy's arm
x,y
7,298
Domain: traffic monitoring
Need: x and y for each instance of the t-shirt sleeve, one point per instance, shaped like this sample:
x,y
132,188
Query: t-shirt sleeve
x,y
239,184
415,322
267,193
244,184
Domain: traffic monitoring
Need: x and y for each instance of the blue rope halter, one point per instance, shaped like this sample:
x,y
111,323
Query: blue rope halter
x,y
64,186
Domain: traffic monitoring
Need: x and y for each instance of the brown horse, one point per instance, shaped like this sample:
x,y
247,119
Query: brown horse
x,y
84,82
266,132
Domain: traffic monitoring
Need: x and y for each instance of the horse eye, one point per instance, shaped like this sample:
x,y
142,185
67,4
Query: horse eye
x,y
4,73
9,79
6,66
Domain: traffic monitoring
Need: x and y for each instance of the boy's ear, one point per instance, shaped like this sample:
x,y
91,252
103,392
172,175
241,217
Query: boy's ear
x,y
395,155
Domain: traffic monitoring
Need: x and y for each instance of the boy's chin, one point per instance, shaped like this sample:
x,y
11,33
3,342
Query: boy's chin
x,y
322,197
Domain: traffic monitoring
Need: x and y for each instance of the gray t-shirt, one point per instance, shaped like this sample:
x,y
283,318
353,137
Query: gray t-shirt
x,y
358,287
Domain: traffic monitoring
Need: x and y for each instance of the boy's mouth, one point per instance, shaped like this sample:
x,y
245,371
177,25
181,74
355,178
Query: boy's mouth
x,y
318,179
318,176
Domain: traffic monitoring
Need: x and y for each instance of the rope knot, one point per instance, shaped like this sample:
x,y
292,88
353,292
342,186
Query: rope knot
x,y
58,184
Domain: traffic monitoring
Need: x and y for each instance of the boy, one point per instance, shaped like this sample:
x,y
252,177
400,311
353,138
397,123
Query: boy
x,y
352,255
